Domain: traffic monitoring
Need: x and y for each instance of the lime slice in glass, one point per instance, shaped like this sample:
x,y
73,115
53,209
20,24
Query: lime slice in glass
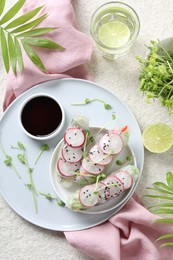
x,y
114,34
158,138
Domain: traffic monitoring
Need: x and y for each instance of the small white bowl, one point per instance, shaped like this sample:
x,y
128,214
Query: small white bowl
x,y
41,116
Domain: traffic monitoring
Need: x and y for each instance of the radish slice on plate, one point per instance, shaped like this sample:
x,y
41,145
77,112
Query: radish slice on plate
x,y
114,185
71,154
88,197
74,137
111,143
67,169
91,167
98,156
103,192
125,178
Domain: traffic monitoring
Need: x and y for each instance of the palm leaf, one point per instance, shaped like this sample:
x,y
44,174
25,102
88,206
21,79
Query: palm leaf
x,y
161,190
162,185
165,236
4,48
19,54
165,220
29,25
42,42
36,32
12,12
159,197
23,18
161,205
169,179
167,244
163,211
2,5
34,57
12,53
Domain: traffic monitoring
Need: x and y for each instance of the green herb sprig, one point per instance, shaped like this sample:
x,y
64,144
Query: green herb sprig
x,y
88,101
9,161
51,198
163,191
20,33
43,148
156,76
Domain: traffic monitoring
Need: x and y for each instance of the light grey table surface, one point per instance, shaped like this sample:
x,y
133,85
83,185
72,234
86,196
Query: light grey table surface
x,y
21,240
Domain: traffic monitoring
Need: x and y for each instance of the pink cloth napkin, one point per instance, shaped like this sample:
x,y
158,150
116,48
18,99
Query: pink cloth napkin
x,y
130,234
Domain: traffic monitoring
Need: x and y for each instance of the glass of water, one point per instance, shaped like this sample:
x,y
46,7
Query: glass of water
x,y
114,28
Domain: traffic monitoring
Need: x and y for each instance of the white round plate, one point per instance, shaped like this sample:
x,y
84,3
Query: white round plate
x,y
65,193
13,189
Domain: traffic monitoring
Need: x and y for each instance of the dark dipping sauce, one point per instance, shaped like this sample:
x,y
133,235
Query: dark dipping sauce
x,y
41,116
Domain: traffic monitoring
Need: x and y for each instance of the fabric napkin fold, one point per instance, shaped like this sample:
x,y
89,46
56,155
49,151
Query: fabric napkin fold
x,y
131,233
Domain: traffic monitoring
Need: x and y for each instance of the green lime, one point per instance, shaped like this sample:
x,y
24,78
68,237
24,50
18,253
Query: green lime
x,y
114,34
158,138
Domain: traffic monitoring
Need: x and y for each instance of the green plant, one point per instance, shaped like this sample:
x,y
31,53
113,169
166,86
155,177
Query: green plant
x,y
20,33
156,76
165,193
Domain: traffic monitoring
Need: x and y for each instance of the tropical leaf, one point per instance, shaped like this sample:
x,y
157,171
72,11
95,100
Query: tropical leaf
x,y
29,25
159,197
12,12
167,244
21,32
169,179
23,18
162,185
12,53
37,31
42,42
165,220
165,236
19,54
161,205
34,57
2,5
4,49
161,190
163,211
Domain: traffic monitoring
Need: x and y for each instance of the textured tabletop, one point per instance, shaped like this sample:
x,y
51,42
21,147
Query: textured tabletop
x,y
21,240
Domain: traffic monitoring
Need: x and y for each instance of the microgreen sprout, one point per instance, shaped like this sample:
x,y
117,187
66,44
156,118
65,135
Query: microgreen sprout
x,y
9,162
127,159
50,198
156,76
88,101
113,117
43,148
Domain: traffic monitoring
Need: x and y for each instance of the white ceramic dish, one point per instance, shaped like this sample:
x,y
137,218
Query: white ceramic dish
x,y
65,193
19,198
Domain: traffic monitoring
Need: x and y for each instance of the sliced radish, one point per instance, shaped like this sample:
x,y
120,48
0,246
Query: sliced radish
x,y
114,185
125,178
97,156
88,197
103,192
111,143
67,169
72,154
74,137
92,167
123,132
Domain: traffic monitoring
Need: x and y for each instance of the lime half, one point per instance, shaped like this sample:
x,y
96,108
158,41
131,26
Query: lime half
x,y
114,34
158,138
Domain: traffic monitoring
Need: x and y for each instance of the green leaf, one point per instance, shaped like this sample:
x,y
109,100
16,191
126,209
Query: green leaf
x,y
42,42
159,197
19,54
164,220
163,211
34,57
36,32
2,5
162,185
12,53
4,48
167,244
165,236
29,25
23,18
13,10
161,190
169,178
161,205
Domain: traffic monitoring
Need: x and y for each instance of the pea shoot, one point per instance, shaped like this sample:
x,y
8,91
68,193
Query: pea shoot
x,y
156,76
88,101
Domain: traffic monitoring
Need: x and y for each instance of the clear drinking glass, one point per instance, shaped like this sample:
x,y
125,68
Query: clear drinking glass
x,y
114,28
